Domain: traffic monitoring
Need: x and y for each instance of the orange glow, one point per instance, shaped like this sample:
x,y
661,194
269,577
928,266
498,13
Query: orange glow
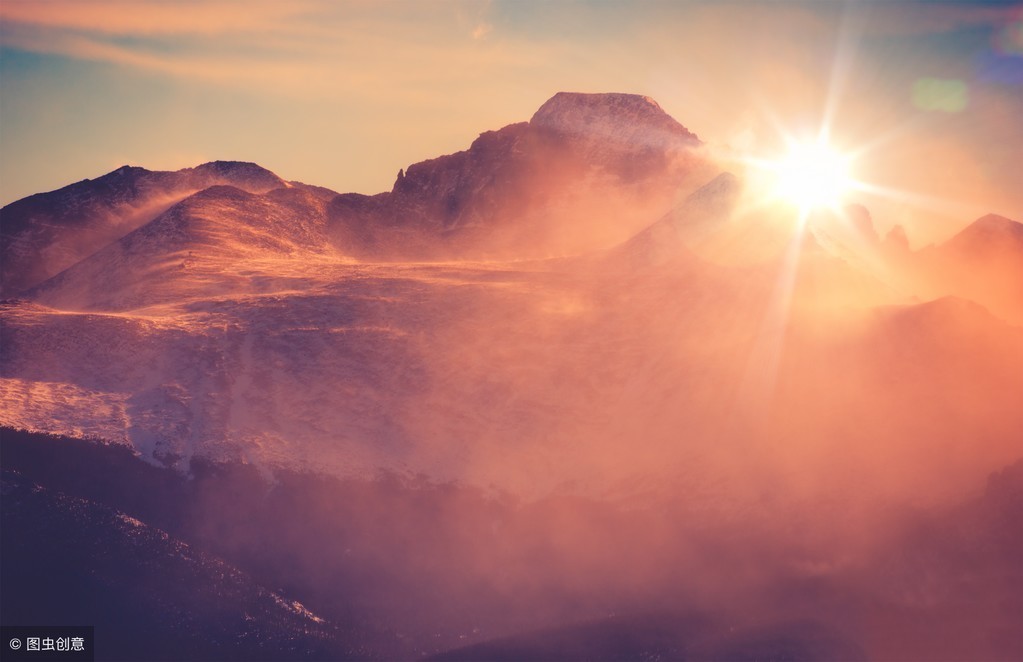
x,y
514,330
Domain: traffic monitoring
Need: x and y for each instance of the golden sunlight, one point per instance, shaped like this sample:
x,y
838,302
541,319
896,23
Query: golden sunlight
x,y
811,175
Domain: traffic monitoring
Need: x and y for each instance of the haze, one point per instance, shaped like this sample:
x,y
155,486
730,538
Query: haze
x,y
513,331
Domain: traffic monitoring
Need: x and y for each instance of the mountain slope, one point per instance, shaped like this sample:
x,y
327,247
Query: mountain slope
x,y
44,234
988,235
983,262
700,214
196,247
587,171
149,596
522,376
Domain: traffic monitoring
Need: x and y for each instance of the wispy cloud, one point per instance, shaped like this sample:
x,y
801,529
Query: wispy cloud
x,y
147,18
478,19
482,30
306,48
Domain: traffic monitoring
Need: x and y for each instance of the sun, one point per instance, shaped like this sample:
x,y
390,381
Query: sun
x,y
811,175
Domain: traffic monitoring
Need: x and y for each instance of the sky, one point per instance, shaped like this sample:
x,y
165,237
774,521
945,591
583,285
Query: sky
x,y
927,95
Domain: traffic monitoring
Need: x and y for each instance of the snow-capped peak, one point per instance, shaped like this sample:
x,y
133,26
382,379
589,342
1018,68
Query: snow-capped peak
x,y
607,114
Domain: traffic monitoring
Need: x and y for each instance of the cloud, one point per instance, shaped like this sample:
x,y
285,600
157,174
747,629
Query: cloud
x,y
214,41
482,30
128,18
303,49
220,69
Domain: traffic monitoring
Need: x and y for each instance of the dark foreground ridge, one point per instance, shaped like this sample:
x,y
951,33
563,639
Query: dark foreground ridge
x,y
210,566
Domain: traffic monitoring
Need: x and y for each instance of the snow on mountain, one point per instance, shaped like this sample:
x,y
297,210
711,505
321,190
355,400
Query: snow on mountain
x,y
44,234
321,374
606,123
195,248
586,172
528,378
235,325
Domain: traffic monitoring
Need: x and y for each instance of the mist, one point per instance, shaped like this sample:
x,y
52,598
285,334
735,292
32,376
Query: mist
x,y
777,454
575,392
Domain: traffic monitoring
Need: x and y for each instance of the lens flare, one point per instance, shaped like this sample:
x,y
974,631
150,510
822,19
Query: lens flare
x,y
812,175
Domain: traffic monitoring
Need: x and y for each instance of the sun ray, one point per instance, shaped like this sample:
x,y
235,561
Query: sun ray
x,y
762,365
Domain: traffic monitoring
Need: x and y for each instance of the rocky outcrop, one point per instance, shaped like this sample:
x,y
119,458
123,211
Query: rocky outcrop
x,y
587,171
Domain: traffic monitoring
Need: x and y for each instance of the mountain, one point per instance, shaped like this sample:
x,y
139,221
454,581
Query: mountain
x,y
562,382
493,373
690,223
43,234
236,325
988,236
195,247
586,172
983,262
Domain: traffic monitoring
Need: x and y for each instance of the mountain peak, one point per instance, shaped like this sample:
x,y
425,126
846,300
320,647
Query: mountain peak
x,y
995,223
616,160
230,166
128,170
239,171
607,114
44,234
990,231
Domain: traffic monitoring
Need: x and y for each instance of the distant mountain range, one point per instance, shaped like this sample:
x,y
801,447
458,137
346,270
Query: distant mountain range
x,y
523,190
283,322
